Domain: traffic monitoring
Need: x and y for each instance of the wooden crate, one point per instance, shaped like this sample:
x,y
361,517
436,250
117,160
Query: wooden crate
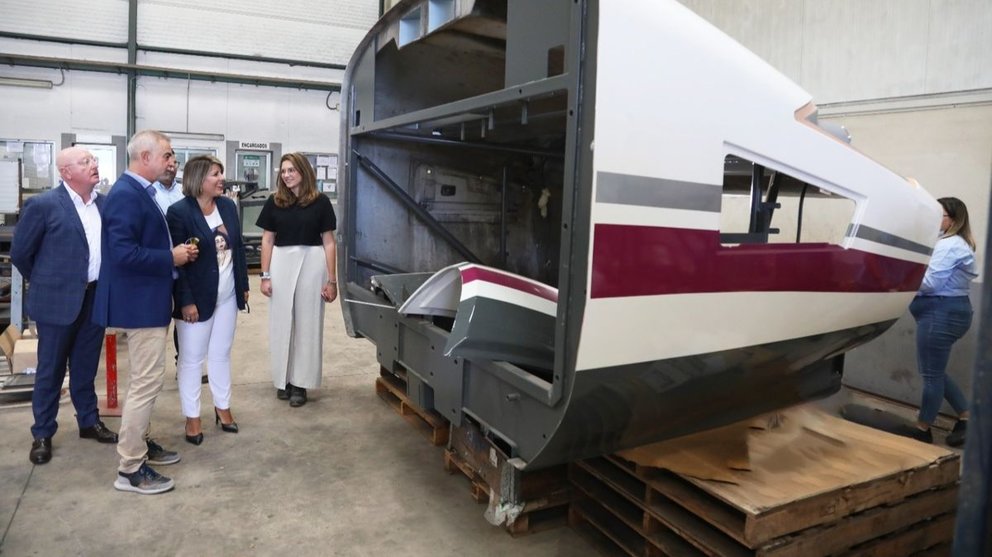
x,y
428,422
903,502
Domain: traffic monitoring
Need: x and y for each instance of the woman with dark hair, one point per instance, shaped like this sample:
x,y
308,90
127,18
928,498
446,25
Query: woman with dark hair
x,y
943,315
208,292
298,274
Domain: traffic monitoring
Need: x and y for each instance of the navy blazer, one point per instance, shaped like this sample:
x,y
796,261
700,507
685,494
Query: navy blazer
x,y
135,286
197,282
50,250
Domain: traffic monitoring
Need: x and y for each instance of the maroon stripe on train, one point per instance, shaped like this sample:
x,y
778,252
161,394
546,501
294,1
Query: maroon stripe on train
x,y
648,260
510,281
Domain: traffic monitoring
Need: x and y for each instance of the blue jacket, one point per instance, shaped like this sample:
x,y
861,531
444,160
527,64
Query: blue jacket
x,y
197,282
50,250
135,286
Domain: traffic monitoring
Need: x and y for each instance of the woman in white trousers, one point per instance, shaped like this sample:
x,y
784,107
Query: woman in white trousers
x,y
208,293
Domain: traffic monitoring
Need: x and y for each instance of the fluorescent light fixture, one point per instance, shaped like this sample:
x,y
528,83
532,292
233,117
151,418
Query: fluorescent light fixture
x,y
195,135
23,82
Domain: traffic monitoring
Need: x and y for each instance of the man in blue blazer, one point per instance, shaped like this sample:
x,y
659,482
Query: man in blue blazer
x,y
57,248
134,293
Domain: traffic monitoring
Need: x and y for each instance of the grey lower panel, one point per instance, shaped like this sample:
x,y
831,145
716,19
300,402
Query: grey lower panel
x,y
615,408
493,330
608,409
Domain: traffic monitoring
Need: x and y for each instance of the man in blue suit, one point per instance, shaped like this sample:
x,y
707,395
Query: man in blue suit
x,y
134,293
57,248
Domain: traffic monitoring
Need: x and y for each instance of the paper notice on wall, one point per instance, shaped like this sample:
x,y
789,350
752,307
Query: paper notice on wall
x,y
332,173
321,173
8,186
42,154
323,160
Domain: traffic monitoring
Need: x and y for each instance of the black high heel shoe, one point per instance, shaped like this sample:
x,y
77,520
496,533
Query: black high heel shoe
x,y
194,439
230,428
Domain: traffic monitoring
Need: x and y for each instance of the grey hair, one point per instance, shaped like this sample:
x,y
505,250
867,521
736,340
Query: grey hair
x,y
145,140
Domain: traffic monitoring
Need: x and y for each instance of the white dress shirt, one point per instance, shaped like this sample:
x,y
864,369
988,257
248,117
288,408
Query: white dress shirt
x,y
89,215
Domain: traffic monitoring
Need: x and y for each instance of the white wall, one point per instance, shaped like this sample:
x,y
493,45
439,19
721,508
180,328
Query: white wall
x,y
96,103
292,29
845,50
94,20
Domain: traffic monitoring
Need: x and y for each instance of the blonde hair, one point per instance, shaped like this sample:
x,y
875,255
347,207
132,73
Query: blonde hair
x,y
196,171
957,211
284,197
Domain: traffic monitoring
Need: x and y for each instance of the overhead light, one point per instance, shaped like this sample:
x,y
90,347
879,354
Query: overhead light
x,y
195,135
24,82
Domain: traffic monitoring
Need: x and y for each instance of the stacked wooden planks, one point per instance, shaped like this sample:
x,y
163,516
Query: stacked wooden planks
x,y
816,486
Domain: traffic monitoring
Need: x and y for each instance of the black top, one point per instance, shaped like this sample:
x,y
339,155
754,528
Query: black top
x,y
296,225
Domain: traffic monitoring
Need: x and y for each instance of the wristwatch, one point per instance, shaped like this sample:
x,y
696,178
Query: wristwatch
x,y
264,275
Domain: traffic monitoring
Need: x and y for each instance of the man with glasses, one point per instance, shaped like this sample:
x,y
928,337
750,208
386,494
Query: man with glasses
x,y
167,189
134,293
57,248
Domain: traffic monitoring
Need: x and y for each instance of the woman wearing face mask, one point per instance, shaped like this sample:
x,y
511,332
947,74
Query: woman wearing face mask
x,y
299,275
943,313
208,292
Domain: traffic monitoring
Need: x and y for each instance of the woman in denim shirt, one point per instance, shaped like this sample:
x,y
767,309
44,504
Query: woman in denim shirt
x,y
943,315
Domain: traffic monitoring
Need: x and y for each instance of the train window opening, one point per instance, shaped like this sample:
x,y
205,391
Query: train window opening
x,y
761,205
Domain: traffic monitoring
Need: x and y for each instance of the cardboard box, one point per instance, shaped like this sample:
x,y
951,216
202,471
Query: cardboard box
x,y
7,340
21,352
25,355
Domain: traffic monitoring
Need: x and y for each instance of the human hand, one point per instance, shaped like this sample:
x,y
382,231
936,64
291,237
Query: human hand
x,y
180,255
329,292
190,313
267,288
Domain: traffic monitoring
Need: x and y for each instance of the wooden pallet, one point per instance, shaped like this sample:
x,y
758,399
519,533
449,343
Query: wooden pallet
x,y
544,494
538,514
431,424
478,487
648,511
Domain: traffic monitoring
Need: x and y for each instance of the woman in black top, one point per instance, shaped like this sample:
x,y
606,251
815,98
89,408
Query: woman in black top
x,y
298,273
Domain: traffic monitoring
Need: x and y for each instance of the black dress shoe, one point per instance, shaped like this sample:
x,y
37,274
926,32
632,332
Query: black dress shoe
x,y
99,432
41,450
283,394
298,397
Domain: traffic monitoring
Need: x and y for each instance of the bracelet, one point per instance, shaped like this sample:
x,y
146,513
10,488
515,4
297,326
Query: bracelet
x,y
334,282
264,275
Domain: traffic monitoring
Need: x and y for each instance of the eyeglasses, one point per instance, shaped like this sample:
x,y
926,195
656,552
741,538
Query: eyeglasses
x,y
88,161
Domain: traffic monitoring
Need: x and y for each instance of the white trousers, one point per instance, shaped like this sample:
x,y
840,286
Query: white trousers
x,y
296,315
208,341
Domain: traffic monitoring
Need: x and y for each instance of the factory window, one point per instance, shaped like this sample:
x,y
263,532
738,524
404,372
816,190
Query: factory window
x,y
764,205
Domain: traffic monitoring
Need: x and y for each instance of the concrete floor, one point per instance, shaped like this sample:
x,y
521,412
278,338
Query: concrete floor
x,y
343,475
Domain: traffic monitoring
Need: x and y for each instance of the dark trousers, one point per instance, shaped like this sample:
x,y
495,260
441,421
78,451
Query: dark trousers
x,y
78,345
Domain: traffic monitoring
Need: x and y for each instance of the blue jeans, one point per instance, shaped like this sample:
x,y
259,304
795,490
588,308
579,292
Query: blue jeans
x,y
940,322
